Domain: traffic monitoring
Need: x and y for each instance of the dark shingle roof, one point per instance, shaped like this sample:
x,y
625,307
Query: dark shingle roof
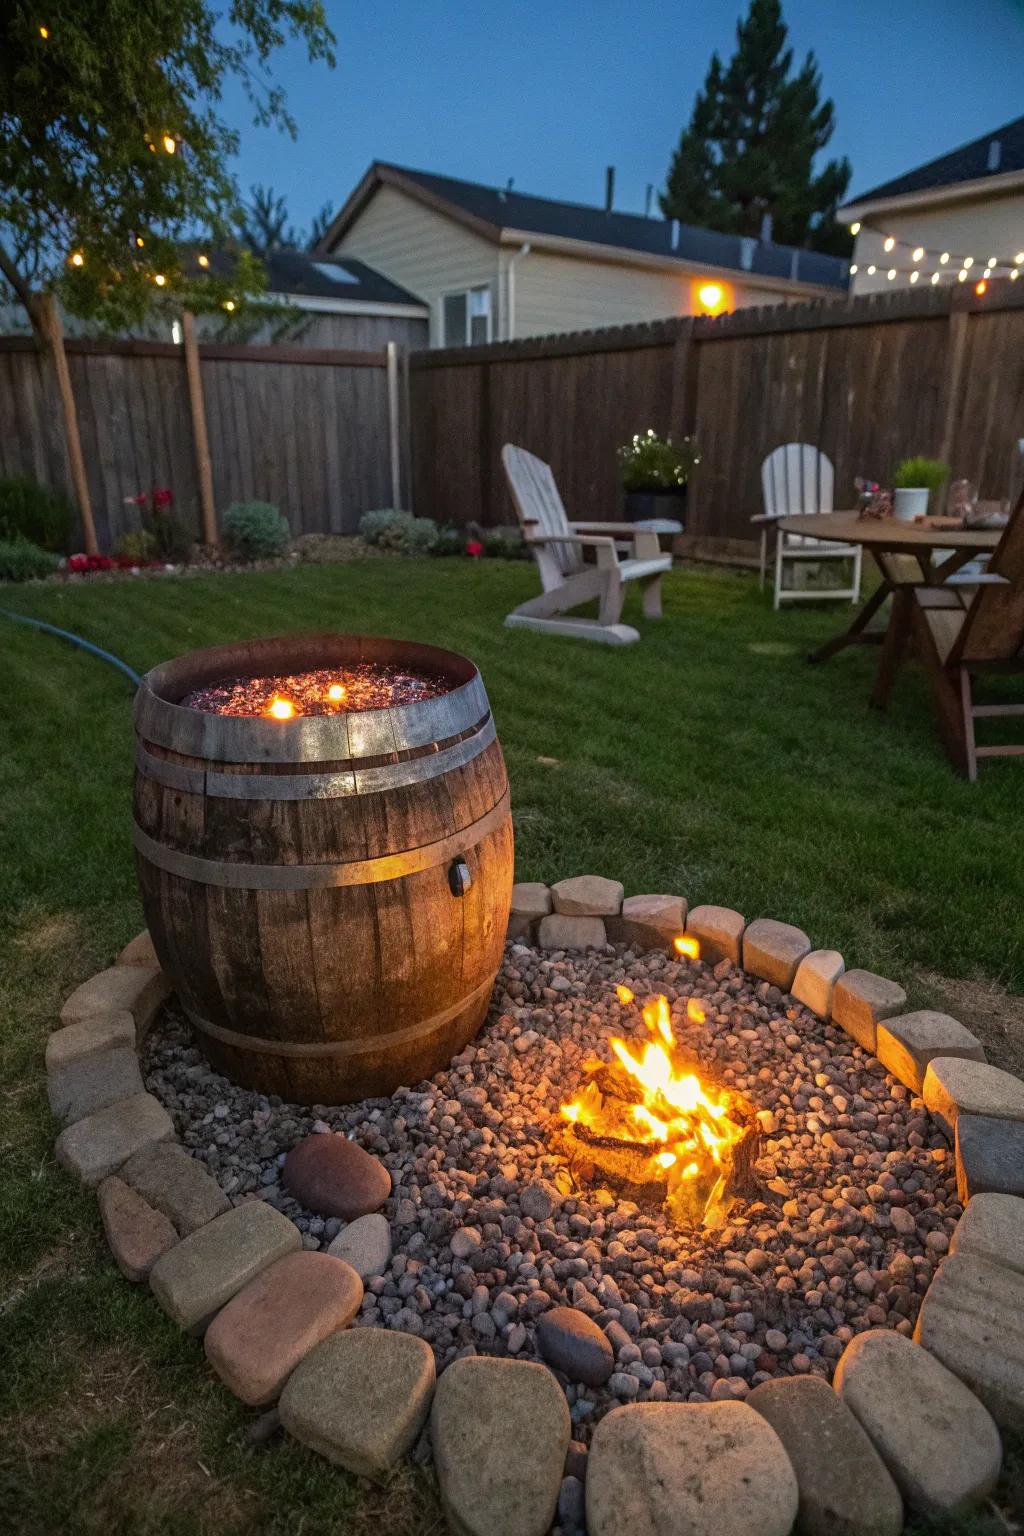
x,y
628,231
299,272
971,162
323,277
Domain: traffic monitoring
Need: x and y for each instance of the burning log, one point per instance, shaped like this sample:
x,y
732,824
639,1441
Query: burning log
x,y
659,1133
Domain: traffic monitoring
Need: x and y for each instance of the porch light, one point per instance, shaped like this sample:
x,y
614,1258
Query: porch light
x,y
711,297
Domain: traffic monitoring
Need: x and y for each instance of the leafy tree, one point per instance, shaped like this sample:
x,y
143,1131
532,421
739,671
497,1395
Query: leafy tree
x,y
321,224
263,223
750,146
113,154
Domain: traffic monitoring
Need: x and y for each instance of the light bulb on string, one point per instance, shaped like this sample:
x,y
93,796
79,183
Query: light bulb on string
x,y
204,261
855,227
1019,259
914,276
918,253
169,143
44,33
229,305
159,279
889,243
77,259
1014,273
961,276
891,273
991,262
943,259
968,262
935,278
853,268
872,270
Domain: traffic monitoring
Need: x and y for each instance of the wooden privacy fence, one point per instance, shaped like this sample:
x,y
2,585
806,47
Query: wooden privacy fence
x,y
315,432
870,381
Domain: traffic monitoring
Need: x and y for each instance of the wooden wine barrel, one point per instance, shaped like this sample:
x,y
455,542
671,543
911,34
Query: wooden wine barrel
x,y
329,894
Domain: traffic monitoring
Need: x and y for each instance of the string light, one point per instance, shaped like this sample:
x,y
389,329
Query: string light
x,y
991,262
853,268
1014,273
44,33
891,273
229,305
872,270
139,241
169,144
159,279
968,262
914,276
77,259
855,228
935,277
204,261
1019,259
944,258
889,243
981,287
918,252
961,276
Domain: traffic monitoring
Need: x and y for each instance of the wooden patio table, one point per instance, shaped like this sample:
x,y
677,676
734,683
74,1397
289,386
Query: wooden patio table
x,y
906,556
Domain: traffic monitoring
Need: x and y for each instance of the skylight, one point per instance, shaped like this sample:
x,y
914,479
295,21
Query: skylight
x,y
335,273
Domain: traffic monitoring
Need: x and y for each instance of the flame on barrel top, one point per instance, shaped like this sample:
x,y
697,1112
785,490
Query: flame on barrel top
x,y
685,1127
281,708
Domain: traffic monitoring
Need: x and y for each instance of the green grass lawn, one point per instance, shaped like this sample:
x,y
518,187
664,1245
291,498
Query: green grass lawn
x,y
710,760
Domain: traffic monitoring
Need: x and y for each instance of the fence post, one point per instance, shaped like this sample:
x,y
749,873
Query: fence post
x,y
49,319
682,412
197,410
394,424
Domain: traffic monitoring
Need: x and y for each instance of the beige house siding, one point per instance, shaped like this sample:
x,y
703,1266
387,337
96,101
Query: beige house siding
x,y
980,228
565,293
424,252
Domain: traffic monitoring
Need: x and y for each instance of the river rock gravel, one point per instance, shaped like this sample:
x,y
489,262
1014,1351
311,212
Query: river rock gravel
x,y
856,1203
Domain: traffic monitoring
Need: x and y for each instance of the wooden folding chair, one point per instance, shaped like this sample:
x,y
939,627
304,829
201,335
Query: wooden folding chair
x,y
558,547
959,642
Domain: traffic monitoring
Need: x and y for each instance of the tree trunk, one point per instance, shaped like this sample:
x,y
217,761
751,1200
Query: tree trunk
x,y
46,316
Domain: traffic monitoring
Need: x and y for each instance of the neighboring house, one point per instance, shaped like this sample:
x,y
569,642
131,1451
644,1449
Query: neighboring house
x,y
310,301
967,206
495,264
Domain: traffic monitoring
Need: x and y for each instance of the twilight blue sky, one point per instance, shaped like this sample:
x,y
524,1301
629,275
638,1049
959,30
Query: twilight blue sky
x,y
552,91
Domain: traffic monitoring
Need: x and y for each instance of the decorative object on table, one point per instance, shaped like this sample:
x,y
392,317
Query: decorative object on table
x,y
558,545
961,499
797,480
915,480
655,472
873,503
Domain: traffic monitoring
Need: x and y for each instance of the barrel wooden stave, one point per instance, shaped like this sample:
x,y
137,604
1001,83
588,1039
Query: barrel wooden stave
x,y
344,990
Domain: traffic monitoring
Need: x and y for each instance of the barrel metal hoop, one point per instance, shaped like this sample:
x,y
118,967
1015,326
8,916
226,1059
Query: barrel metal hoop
x,y
329,785
308,877
375,1044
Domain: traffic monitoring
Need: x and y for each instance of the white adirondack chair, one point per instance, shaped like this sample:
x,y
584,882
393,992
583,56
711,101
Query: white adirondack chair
x,y
558,547
797,478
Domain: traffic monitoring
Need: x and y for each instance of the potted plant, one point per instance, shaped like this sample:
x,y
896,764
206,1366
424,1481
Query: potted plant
x,y
654,474
914,482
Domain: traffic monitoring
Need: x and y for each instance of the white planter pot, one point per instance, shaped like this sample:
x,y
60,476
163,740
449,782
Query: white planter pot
x,y
910,502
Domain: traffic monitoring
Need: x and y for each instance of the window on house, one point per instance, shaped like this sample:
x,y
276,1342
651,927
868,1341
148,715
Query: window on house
x,y
467,317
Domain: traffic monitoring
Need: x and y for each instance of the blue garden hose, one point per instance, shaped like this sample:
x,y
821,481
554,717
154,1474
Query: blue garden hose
x,y
85,645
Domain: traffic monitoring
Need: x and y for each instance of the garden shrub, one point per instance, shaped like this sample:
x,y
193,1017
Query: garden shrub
x,y
255,530
34,513
138,545
398,531
21,560
172,539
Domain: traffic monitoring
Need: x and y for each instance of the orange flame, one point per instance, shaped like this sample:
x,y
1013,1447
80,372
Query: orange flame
x,y
624,994
687,945
336,693
694,1012
280,709
688,1128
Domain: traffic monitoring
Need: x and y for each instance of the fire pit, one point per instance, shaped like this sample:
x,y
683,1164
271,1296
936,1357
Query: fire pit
x,y
648,1125
324,848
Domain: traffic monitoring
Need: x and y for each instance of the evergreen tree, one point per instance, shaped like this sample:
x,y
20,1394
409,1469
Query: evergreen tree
x,y
752,140
263,223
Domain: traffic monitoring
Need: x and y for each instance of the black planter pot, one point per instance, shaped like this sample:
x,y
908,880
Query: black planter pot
x,y
666,502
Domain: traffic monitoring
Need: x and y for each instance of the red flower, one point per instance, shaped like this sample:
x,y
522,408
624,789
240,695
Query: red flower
x,y
164,497
83,564
474,548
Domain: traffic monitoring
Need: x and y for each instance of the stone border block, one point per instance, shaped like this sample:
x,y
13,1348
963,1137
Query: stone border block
x,y
202,1273
177,1184
815,980
774,950
956,1085
98,1145
139,951
94,1082
100,1032
989,1156
860,999
972,1319
648,922
531,900
907,1043
560,932
719,932
134,987
587,896
136,1234
992,1228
